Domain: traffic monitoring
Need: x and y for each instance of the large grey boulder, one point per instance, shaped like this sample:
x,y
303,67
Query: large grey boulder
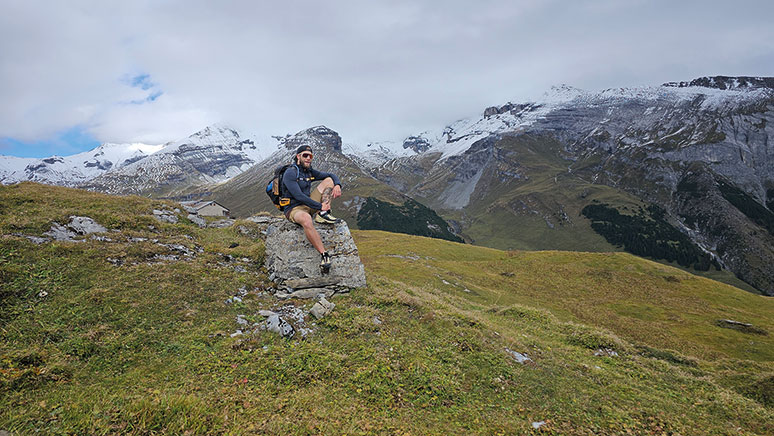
x,y
290,256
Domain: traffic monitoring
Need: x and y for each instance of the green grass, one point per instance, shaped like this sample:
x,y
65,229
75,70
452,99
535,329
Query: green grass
x,y
144,349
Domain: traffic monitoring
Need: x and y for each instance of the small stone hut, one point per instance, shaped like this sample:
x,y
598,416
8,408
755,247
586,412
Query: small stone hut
x,y
209,208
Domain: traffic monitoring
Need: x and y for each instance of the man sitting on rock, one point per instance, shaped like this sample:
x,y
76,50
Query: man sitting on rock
x,y
297,180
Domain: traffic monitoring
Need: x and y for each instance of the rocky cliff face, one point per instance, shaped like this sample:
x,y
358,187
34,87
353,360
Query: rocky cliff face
x,y
547,160
319,137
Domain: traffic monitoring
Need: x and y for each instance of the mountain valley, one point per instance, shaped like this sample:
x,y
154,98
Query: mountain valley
x,y
520,176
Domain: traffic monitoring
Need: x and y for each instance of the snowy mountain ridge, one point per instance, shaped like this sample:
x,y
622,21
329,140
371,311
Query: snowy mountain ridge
x,y
74,169
230,153
210,156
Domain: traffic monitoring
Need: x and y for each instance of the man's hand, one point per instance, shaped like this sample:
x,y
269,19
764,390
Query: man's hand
x,y
336,191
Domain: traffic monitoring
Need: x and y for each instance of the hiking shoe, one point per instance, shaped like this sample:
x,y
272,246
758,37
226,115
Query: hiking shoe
x,y
326,218
325,263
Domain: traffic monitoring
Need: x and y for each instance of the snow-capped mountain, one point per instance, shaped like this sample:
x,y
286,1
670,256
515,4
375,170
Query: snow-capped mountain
x,y
212,155
701,150
208,157
75,169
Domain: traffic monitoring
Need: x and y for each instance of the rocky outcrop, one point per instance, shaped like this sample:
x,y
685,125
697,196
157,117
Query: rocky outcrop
x,y
726,82
416,143
721,227
315,137
291,259
78,226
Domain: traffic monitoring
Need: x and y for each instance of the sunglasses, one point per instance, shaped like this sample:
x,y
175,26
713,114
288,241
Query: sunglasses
x,y
306,155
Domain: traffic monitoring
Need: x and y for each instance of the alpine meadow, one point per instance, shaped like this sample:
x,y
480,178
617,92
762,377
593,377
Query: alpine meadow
x,y
584,263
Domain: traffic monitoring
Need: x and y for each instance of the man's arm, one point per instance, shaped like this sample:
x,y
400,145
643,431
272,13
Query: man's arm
x,y
319,175
291,184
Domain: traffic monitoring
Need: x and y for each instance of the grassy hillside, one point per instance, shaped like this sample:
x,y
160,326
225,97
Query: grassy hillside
x,y
106,337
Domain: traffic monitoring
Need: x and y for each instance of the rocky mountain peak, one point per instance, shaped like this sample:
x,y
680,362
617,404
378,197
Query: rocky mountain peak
x,y
315,137
727,82
416,143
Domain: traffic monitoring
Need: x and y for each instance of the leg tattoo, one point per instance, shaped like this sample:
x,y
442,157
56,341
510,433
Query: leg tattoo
x,y
326,195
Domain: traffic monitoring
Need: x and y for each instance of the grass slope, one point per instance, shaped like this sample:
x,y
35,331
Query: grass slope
x,y
143,348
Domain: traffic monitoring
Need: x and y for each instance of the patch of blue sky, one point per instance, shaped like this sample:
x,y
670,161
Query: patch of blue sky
x,y
142,81
71,141
151,97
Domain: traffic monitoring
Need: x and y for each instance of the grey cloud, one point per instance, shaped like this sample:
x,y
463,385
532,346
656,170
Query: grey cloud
x,y
371,70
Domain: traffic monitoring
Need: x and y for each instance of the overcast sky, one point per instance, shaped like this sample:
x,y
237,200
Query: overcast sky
x,y
77,73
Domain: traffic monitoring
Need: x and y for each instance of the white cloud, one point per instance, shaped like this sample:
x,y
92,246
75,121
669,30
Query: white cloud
x,y
370,70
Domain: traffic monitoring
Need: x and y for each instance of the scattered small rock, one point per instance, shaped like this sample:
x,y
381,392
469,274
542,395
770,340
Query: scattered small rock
x,y
33,239
608,352
519,357
60,233
234,299
322,308
537,424
377,321
266,313
221,224
116,262
165,216
259,219
196,219
179,248
741,326
309,293
278,325
84,225
236,333
241,320
42,294
409,257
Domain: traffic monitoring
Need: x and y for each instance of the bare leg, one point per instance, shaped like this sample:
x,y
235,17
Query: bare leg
x,y
305,220
326,189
